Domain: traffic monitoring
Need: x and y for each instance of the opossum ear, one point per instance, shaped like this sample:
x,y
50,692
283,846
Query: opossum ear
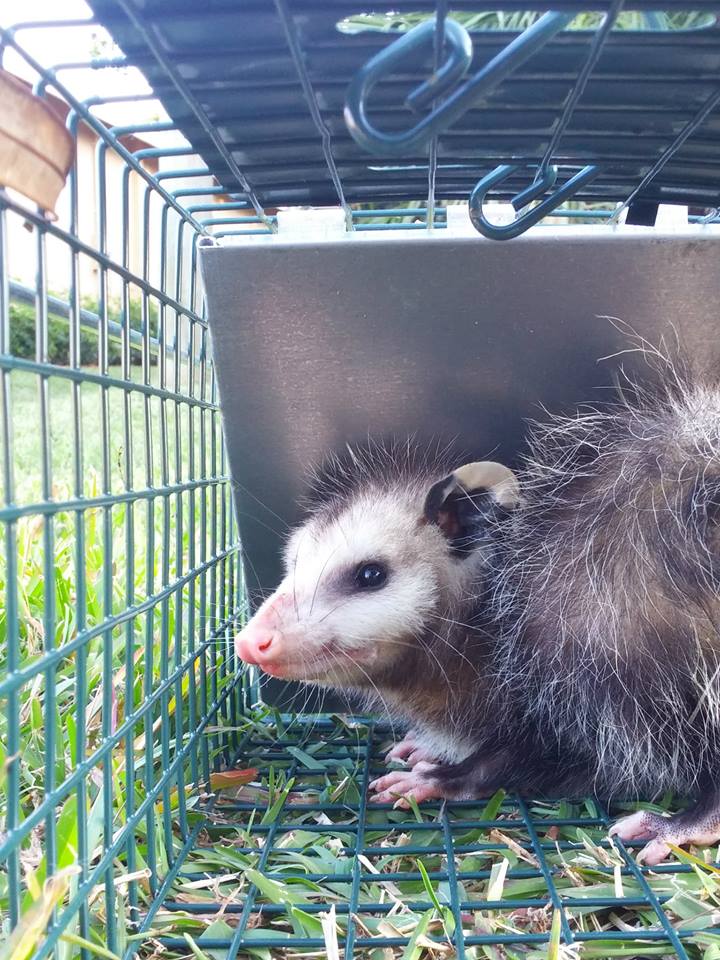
x,y
463,503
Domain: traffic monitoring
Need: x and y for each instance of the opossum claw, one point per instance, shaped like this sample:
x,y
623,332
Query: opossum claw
x,y
636,826
652,853
402,750
699,825
424,791
409,751
644,825
418,756
400,784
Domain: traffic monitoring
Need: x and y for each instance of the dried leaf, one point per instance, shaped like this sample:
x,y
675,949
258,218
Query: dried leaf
x,y
513,845
227,779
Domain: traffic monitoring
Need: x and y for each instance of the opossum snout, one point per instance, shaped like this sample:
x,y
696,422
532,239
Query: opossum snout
x,y
262,642
257,644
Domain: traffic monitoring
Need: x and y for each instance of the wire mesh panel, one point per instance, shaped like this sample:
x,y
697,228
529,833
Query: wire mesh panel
x,y
260,90
303,866
119,570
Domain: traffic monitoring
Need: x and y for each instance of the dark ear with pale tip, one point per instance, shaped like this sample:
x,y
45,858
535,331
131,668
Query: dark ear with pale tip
x,y
467,501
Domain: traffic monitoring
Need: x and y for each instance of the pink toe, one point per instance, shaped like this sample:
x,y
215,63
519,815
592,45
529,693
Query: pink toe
x,y
384,796
387,780
423,767
633,827
426,791
396,787
653,853
402,750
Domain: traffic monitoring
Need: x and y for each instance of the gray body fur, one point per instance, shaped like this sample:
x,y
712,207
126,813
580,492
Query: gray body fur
x,y
608,602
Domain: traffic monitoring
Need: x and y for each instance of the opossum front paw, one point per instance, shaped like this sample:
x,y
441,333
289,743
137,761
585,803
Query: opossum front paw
x,y
409,750
399,785
678,830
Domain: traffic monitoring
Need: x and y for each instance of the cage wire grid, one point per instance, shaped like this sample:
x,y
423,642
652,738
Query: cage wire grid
x,y
120,569
265,109
121,659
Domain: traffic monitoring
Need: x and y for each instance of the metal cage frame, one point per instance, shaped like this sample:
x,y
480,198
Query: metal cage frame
x,y
139,734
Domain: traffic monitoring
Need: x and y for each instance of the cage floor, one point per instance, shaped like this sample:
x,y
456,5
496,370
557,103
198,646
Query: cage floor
x,y
299,863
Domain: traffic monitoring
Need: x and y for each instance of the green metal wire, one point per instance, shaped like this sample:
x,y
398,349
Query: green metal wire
x,y
154,703
453,830
150,649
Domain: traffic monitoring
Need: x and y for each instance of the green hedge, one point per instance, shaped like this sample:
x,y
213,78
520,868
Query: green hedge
x,y
23,332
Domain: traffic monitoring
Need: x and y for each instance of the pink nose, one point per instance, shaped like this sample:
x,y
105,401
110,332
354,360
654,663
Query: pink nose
x,y
259,644
262,641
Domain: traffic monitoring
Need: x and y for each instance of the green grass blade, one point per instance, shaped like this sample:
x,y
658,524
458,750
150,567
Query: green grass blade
x,y
554,944
428,886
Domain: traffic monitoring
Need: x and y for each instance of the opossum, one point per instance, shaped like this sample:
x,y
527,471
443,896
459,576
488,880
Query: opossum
x,y
386,590
551,630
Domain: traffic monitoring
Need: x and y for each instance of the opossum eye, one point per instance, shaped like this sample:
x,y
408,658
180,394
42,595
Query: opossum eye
x,y
370,576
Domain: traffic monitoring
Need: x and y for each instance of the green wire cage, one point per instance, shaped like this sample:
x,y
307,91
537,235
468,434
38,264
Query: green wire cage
x,y
152,798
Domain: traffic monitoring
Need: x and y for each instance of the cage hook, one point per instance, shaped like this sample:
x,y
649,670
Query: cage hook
x,y
421,38
459,43
544,181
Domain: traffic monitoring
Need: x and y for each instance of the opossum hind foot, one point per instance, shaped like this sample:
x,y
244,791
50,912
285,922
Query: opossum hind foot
x,y
398,786
698,825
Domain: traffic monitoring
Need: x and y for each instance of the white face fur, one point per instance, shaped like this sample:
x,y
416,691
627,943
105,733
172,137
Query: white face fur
x,y
360,582
378,540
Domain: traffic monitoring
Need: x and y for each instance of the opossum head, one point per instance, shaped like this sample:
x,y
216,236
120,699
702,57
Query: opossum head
x,y
394,542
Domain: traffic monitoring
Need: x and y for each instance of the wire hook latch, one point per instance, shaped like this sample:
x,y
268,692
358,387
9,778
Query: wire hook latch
x,y
458,42
544,181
